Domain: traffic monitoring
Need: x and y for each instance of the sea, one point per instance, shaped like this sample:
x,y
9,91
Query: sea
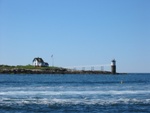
x,y
73,93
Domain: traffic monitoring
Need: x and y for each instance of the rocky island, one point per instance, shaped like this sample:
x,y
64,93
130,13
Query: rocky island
x,y
29,69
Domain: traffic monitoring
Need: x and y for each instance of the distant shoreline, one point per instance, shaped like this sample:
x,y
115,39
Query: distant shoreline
x,y
29,69
51,72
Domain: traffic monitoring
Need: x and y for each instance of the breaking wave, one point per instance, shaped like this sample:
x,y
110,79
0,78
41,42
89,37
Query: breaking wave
x,y
111,92
45,101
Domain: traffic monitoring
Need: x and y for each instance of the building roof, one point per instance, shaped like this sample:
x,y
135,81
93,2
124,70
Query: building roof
x,y
38,59
46,63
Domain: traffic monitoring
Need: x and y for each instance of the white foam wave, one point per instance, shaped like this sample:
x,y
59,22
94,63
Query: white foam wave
x,y
74,101
74,92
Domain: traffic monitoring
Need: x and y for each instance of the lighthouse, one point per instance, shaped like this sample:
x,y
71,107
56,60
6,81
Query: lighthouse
x,y
113,66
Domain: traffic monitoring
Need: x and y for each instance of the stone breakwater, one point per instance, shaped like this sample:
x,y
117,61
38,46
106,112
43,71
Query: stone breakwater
x,y
49,71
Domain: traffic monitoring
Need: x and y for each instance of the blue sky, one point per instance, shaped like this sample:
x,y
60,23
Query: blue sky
x,y
76,32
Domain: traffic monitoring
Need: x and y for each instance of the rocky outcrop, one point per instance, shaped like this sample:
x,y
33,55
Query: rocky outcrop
x,y
49,71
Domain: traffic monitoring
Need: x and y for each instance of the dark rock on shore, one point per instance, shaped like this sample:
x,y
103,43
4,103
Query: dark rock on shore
x,y
49,71
29,69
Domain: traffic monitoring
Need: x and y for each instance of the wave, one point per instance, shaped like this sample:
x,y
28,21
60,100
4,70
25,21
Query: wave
x,y
45,101
110,92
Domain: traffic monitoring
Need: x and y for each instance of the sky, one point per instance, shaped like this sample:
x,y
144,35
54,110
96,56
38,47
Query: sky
x,y
76,33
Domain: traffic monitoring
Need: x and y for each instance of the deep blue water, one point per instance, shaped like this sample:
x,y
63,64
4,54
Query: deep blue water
x,y
75,93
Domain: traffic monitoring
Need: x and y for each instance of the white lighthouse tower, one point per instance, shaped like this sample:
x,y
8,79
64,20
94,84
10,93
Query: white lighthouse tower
x,y
113,66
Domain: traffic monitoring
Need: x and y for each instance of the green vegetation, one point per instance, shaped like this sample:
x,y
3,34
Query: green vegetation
x,y
26,67
29,69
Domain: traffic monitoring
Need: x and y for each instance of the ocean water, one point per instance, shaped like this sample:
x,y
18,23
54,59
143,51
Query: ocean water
x,y
75,93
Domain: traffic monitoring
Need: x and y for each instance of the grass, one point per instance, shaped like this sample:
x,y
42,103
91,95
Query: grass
x,y
27,67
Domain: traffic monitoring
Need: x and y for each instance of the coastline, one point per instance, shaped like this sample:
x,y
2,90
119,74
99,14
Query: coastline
x,y
29,69
50,71
5,69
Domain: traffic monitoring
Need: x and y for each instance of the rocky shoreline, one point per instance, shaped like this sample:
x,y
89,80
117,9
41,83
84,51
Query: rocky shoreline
x,y
52,71
29,69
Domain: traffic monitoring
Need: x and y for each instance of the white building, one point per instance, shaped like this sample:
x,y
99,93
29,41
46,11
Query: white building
x,y
39,62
